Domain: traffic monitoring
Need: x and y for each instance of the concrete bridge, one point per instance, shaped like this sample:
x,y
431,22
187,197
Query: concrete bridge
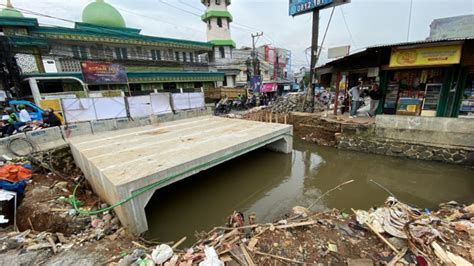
x,y
134,163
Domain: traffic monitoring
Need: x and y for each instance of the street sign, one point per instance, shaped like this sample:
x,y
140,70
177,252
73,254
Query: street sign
x,y
298,7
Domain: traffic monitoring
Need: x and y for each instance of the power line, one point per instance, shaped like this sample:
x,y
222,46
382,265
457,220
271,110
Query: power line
x,y
347,27
160,20
409,20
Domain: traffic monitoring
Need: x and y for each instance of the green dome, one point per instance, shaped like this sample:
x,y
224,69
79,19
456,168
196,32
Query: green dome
x,y
102,14
9,11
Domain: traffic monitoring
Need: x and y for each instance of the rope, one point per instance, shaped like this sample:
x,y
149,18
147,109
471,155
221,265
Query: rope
x,y
141,191
32,147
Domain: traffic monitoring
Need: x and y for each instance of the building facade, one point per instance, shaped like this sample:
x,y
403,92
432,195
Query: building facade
x,y
51,57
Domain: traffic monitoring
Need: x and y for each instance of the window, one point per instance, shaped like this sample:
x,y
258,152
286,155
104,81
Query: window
x,y
219,22
79,52
222,52
176,56
185,57
209,24
121,53
191,57
218,2
156,55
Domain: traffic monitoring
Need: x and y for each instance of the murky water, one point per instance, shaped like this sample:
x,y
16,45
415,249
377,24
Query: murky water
x,y
270,184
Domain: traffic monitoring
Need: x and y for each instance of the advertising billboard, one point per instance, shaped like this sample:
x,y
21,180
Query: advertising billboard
x,y
298,7
426,56
103,73
256,83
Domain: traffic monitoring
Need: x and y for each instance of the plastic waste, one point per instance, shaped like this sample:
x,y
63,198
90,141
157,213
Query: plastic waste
x,y
161,254
211,258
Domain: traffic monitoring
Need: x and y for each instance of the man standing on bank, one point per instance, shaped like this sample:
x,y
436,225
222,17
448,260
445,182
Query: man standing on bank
x,y
354,92
375,96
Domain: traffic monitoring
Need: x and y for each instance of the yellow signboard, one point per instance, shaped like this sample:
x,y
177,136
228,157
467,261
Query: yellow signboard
x,y
427,56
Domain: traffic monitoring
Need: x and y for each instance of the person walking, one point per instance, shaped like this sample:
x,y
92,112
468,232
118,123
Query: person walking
x,y
375,95
354,92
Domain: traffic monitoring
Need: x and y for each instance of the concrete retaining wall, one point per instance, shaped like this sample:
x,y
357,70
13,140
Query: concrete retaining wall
x,y
426,130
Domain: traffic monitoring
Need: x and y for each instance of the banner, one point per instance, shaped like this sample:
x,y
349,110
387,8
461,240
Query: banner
x,y
256,83
103,73
427,56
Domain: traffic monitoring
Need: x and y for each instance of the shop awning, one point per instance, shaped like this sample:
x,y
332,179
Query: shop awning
x,y
269,87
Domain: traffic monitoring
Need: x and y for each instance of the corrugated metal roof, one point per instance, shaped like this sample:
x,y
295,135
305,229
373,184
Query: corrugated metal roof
x,y
360,51
421,42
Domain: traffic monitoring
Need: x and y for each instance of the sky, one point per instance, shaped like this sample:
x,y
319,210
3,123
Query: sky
x,y
359,24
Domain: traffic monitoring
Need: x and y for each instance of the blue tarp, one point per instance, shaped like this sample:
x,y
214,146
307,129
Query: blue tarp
x,y
18,187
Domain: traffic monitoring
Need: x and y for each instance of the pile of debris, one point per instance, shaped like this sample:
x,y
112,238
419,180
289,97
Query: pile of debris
x,y
295,103
394,234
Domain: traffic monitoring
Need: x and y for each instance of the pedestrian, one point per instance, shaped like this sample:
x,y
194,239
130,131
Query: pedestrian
x,y
24,115
12,121
375,95
50,119
354,92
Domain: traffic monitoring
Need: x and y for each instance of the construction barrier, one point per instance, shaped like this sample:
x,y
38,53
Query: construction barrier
x,y
139,106
103,126
160,103
46,139
76,129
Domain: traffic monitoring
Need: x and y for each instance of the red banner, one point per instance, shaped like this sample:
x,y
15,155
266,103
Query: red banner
x,y
103,73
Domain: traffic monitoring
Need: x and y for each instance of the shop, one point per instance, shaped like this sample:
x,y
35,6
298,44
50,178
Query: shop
x,y
425,78
419,79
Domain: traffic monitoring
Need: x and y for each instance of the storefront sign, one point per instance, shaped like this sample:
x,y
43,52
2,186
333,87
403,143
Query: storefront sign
x,y
341,51
298,7
103,73
428,56
269,87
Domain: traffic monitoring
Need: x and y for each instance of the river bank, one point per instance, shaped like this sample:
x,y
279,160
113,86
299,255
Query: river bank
x,y
53,233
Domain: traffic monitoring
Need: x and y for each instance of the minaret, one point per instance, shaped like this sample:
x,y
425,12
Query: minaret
x,y
218,20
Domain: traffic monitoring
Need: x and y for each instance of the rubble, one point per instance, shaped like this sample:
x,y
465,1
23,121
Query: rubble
x,y
295,103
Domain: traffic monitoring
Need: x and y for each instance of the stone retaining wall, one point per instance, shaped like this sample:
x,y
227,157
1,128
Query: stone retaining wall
x,y
364,139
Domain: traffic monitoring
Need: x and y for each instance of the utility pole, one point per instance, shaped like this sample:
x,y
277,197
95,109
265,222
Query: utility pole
x,y
254,51
314,57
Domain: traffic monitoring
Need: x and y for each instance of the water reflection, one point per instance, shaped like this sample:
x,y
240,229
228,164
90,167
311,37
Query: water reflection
x,y
270,184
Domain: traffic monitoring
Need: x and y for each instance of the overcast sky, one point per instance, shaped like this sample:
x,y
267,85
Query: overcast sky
x,y
369,22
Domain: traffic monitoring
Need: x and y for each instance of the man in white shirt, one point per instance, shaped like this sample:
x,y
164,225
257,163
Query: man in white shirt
x,y
24,115
354,92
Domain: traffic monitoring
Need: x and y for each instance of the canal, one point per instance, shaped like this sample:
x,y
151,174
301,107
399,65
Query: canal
x,y
270,184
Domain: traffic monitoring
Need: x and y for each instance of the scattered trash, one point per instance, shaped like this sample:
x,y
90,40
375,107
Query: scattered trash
x,y
211,258
161,254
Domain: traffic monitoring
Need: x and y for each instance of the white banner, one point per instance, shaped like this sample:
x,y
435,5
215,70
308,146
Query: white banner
x,y
78,110
139,106
196,100
160,103
180,101
110,107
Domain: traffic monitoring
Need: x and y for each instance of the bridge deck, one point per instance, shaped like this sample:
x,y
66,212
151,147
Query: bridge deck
x,y
121,162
